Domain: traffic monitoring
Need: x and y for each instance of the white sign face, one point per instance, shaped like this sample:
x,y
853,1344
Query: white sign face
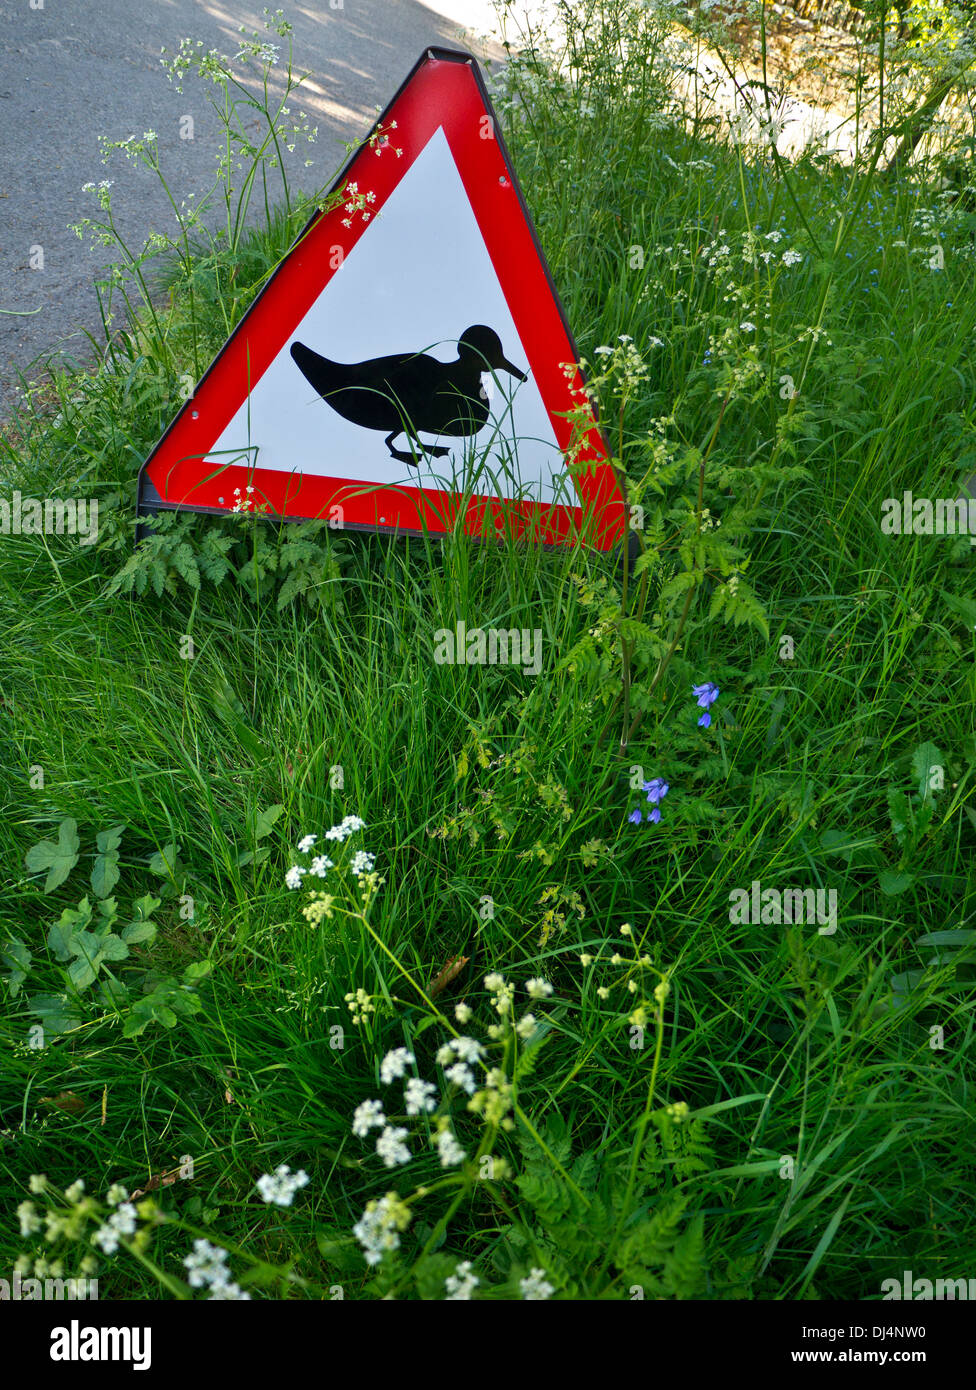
x,y
398,292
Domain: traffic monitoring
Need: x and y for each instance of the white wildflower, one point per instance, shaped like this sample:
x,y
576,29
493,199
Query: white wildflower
x,y
206,1265
419,1096
390,1146
394,1064
461,1284
280,1186
538,988
448,1149
461,1075
367,1116
534,1287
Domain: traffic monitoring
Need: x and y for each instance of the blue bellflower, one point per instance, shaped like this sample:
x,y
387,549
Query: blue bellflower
x,y
705,695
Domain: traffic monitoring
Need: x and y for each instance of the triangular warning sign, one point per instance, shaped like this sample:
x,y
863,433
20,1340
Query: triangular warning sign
x,y
409,357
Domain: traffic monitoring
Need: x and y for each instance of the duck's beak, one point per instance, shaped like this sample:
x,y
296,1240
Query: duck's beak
x,y
507,366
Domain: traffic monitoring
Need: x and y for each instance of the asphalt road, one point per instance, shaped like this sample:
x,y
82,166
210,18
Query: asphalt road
x,y
77,69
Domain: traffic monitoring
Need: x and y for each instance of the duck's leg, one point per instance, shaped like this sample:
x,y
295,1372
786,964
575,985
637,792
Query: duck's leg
x,y
436,451
399,454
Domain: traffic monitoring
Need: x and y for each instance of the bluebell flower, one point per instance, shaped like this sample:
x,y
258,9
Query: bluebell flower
x,y
656,790
635,817
705,695
654,815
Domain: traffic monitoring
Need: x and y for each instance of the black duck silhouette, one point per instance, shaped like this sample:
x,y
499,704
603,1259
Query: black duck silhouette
x,y
412,391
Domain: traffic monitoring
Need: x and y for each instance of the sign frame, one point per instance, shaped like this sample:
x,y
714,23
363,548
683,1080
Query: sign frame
x,y
150,502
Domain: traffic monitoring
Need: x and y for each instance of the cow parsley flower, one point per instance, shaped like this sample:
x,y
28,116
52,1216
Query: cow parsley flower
x,y
124,1219
321,865
360,1005
394,1064
280,1186
294,876
207,1265
461,1075
538,988
390,1146
228,1292
502,992
377,1229
461,1284
448,1148
29,1219
419,1096
346,827
468,1049
367,1116
306,843
534,1287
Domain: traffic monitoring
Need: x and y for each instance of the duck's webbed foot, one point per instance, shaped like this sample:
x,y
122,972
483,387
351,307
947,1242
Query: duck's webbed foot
x,y
399,454
436,451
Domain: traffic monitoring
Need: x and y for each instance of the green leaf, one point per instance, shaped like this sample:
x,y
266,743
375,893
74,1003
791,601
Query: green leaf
x,y
431,1272
163,862
892,882
196,971
55,1012
137,932
857,848
964,608
113,947
924,759
17,958
143,1014
955,937
71,921
105,874
923,817
109,840
83,971
900,812
266,821
260,857
59,859
143,908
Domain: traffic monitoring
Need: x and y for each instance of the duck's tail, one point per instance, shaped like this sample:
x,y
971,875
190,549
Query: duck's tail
x,y
318,371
